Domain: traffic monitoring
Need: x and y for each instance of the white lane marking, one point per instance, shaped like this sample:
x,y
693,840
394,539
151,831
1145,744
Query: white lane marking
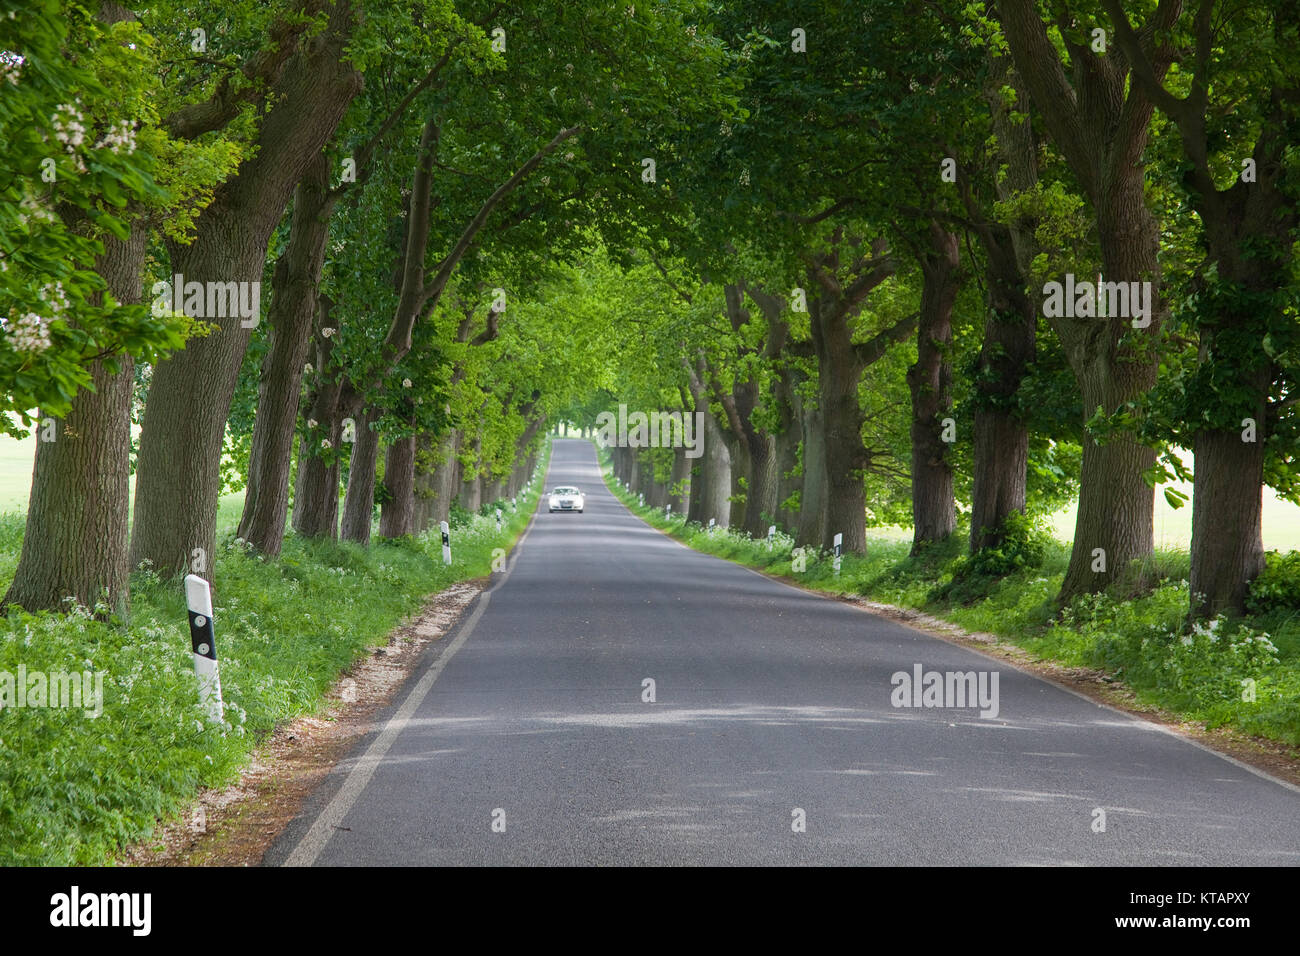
x,y
313,842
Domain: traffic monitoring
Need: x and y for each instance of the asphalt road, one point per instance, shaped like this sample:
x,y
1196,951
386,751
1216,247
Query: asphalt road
x,y
523,737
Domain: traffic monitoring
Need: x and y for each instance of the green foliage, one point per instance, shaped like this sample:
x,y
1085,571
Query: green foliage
x,y
1023,546
1277,587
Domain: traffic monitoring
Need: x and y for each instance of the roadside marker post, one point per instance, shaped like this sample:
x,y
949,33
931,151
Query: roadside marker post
x,y
839,540
446,542
498,519
771,530
712,521
198,600
668,510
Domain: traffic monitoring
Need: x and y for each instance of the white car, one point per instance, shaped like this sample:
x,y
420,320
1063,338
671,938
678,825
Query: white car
x,y
567,498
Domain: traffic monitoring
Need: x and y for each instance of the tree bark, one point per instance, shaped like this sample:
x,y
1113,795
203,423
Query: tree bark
x,y
1101,125
397,512
359,501
293,304
445,479
934,509
1227,529
178,477
812,497
75,541
1001,442
679,483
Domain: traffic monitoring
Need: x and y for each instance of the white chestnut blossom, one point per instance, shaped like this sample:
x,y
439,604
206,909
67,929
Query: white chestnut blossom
x,y
27,332
120,136
69,126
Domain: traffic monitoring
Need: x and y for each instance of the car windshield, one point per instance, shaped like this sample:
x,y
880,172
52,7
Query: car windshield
x,y
566,491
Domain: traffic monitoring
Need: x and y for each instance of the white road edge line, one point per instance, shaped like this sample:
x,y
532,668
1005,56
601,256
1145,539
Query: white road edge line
x,y
322,829
1144,722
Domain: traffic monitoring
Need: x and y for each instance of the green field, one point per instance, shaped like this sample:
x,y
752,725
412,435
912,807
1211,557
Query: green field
x,y
16,457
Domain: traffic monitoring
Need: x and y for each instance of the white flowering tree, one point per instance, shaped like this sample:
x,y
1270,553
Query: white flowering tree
x,y
73,163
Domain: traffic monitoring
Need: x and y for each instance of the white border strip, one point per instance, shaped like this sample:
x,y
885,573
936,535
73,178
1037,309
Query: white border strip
x,y
331,817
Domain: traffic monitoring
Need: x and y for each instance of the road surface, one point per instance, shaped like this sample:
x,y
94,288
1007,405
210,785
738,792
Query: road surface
x,y
524,736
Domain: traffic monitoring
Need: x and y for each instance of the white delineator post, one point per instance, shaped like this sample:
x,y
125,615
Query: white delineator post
x,y
498,519
712,522
668,510
446,542
839,540
198,599
771,530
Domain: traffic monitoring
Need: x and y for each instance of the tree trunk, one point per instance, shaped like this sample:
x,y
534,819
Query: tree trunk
x,y
812,497
178,478
1115,522
679,483
316,494
425,466
359,501
1001,441
1227,507
788,440
75,542
397,512
293,307
934,509
445,478
738,504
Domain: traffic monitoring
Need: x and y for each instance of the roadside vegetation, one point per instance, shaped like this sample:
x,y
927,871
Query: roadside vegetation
x,y
74,789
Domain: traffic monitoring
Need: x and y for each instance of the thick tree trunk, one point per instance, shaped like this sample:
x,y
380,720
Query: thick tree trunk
x,y
359,501
178,477
788,440
1001,440
761,497
293,306
813,494
679,482
934,509
75,541
1115,522
445,479
1227,507
1102,125
738,453
425,466
471,493
316,493
844,452
397,512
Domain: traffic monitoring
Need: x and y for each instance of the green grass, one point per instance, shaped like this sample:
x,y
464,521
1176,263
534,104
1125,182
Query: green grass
x,y
1134,632
76,789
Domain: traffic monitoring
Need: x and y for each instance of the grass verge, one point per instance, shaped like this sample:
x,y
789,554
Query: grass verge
x,y
75,789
